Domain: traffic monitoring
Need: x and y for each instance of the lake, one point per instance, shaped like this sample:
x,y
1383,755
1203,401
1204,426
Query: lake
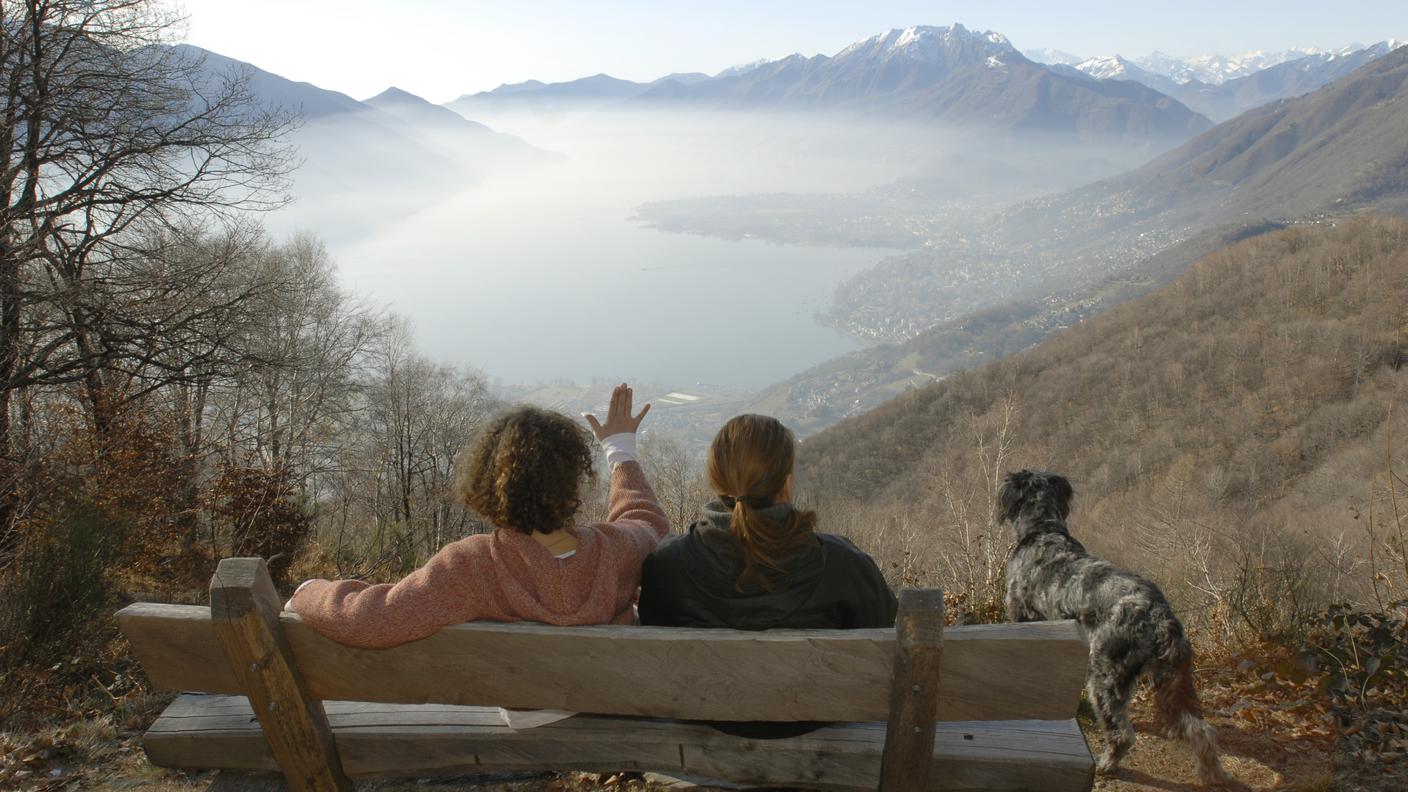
x,y
542,276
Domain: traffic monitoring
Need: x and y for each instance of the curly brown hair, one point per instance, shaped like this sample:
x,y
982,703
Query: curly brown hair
x,y
524,470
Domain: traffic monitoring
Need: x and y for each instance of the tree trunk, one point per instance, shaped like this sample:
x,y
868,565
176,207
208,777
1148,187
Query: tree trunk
x,y
9,363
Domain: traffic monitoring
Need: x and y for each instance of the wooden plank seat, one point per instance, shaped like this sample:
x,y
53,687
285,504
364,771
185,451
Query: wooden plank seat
x,y
322,712
399,740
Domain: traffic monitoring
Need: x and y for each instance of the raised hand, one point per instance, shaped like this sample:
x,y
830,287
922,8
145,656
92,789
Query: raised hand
x,y
618,415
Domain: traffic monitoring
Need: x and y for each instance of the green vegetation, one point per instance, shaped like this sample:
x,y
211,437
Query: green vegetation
x,y
60,584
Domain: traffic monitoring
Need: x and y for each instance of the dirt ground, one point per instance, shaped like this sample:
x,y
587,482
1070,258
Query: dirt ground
x,y
1272,738
1256,759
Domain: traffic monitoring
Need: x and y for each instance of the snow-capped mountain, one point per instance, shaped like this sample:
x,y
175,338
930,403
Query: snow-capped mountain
x,y
1208,69
1115,67
950,74
888,70
1214,69
1283,81
941,46
1286,159
1373,50
742,68
1052,57
1268,76
1110,67
960,75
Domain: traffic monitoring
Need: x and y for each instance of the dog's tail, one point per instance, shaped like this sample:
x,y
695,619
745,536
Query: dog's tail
x,y
1178,712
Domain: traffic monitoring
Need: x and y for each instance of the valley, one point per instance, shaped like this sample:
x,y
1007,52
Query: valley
x,y
295,286
986,283
955,251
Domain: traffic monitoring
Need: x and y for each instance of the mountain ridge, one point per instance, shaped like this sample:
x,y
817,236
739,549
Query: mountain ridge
x,y
1248,81
403,148
1288,158
948,74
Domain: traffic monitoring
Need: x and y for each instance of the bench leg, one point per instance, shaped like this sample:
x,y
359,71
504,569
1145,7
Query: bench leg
x,y
914,691
244,610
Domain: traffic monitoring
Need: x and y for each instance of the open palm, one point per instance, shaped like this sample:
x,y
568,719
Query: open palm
x,y
618,415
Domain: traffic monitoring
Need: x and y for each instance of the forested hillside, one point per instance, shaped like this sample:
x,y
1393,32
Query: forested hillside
x,y
858,381
1228,434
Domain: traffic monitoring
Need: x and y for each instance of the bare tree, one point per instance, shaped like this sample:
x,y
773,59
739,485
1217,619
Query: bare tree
x,y
416,417
108,137
678,479
303,355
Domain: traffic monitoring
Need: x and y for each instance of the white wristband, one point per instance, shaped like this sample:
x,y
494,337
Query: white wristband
x,y
620,447
301,586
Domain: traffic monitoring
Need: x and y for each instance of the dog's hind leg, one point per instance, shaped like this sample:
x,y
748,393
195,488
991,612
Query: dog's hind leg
x,y
1177,707
1110,700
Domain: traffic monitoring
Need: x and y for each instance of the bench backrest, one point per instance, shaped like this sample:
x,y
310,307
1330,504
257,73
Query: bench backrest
x,y
910,677
1029,671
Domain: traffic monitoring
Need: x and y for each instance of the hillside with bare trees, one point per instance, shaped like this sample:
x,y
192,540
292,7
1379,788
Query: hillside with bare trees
x,y
1231,434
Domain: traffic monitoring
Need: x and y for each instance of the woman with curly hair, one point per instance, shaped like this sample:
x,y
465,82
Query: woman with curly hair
x,y
524,473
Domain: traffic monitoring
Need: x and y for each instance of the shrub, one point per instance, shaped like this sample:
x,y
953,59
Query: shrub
x,y
1360,656
59,584
265,516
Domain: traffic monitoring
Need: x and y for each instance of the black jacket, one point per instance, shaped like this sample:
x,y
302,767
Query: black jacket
x,y
689,581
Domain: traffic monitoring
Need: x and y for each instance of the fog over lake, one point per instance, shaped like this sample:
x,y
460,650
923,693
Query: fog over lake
x,y
541,274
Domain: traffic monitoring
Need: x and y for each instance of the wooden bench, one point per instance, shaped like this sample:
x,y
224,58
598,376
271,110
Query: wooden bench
x,y
999,717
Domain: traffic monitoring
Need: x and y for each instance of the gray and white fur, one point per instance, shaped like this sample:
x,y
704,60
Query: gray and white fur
x,y
1132,630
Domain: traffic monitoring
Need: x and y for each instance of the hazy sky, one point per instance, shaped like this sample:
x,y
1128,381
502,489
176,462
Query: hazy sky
x,y
441,49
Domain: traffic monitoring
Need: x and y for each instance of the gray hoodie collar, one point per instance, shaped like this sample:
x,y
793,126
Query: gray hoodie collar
x,y
720,516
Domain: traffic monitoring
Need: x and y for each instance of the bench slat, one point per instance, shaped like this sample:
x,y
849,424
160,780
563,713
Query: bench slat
x,y
176,646
381,740
990,672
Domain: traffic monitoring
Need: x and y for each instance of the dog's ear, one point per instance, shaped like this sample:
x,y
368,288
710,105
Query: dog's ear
x,y
1010,494
1061,488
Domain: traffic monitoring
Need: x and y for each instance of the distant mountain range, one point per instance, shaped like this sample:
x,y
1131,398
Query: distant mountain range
x,y
584,95
1283,81
1333,150
1223,87
393,131
1051,56
967,78
1218,69
401,147
1209,69
948,74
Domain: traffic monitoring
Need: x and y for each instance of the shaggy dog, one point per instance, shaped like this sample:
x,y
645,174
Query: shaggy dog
x,y
1132,630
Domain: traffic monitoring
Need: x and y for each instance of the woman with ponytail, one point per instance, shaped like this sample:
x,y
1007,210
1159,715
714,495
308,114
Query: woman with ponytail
x,y
754,560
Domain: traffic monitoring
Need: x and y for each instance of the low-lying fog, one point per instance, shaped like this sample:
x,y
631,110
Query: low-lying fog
x,y
539,273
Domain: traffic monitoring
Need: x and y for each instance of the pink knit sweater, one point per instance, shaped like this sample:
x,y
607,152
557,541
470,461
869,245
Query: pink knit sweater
x,y
502,576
